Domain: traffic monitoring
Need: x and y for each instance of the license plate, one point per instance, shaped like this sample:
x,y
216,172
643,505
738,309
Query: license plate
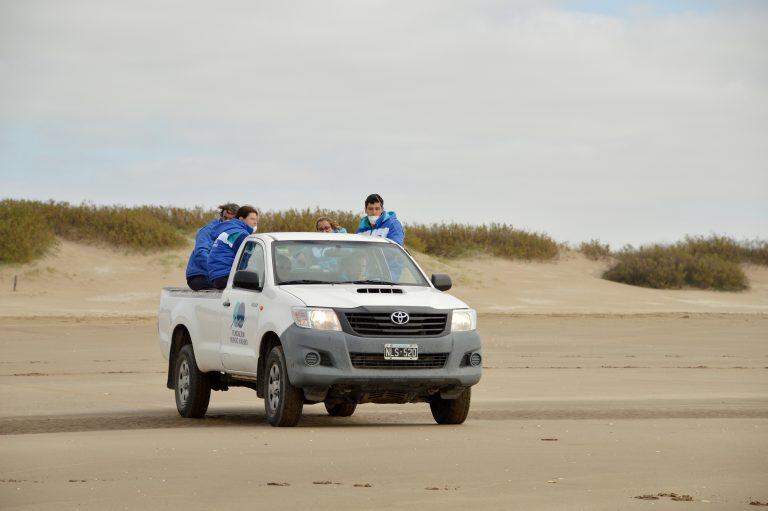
x,y
401,352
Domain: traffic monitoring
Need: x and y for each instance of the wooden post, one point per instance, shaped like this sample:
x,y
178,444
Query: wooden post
x,y
15,280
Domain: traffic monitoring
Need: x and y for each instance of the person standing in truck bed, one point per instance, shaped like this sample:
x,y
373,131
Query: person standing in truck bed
x,y
227,240
380,223
197,267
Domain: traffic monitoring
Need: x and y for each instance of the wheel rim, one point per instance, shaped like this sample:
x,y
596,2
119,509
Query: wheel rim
x,y
182,386
273,390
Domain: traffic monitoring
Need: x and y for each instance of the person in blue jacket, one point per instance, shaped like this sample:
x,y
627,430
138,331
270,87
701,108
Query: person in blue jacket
x,y
227,240
380,223
197,267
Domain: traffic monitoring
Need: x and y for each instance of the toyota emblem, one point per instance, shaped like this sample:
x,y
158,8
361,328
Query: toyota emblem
x,y
400,317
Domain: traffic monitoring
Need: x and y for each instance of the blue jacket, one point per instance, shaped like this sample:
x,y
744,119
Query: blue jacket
x,y
387,226
198,260
227,238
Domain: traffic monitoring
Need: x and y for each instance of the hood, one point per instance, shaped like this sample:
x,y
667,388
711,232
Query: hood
x,y
345,296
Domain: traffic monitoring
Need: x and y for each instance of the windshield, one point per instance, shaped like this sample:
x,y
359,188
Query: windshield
x,y
345,262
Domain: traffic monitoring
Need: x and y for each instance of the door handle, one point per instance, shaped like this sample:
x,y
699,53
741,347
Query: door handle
x,y
226,303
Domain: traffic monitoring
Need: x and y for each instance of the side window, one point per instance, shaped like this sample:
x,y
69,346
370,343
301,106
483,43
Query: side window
x,y
252,259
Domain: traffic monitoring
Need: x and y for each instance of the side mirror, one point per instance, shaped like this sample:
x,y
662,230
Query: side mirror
x,y
442,281
247,280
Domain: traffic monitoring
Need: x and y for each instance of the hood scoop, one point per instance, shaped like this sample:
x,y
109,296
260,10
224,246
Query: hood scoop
x,y
379,290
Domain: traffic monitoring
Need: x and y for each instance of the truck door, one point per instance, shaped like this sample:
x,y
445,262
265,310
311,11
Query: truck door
x,y
239,335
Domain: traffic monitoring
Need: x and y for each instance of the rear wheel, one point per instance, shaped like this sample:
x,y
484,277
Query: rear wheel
x,y
343,409
192,387
451,411
283,402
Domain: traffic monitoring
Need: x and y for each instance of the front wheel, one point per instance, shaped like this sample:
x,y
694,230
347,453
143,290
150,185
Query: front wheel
x,y
451,411
193,388
282,401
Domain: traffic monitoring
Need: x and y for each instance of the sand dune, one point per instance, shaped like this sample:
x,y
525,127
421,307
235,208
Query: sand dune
x,y
81,280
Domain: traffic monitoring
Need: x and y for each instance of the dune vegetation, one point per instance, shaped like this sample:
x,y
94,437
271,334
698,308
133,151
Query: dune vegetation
x,y
712,262
595,250
29,228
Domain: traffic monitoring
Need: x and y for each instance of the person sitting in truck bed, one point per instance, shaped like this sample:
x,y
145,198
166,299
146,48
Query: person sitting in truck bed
x,y
325,224
227,240
379,223
197,267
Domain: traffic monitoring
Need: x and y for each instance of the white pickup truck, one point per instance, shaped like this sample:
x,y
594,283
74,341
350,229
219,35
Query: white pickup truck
x,y
335,318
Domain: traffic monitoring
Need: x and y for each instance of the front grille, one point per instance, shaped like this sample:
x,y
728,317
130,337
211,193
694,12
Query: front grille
x,y
376,361
380,324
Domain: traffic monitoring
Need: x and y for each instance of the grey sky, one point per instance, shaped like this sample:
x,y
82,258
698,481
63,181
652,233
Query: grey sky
x,y
626,121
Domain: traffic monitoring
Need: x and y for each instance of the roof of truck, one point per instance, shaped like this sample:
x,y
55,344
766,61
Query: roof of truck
x,y
320,236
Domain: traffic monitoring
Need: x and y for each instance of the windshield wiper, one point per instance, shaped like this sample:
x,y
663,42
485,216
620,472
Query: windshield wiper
x,y
304,281
369,281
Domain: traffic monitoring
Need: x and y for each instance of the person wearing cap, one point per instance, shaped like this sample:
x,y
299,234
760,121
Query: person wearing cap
x,y
197,267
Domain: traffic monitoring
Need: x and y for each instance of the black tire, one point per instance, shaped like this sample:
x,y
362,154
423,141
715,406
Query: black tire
x,y
192,388
283,402
451,411
343,409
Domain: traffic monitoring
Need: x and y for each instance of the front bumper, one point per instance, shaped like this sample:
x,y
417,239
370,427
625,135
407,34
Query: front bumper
x,y
337,367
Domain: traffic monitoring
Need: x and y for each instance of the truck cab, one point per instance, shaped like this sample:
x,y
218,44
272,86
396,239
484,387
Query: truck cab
x,y
309,318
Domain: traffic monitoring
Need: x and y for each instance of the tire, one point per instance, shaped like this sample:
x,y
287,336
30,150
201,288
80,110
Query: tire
x,y
282,401
451,411
192,387
343,409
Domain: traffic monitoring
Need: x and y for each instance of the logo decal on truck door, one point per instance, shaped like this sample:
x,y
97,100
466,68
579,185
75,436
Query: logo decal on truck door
x,y
238,320
238,315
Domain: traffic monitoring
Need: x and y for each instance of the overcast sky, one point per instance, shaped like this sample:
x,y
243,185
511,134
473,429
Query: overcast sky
x,y
630,122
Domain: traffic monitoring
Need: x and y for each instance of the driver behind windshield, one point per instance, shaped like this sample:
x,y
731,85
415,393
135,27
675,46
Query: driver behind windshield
x,y
353,268
284,267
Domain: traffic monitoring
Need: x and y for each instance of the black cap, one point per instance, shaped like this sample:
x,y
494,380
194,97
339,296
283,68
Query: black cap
x,y
230,206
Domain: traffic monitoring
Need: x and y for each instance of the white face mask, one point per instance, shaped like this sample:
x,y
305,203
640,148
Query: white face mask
x,y
373,219
255,227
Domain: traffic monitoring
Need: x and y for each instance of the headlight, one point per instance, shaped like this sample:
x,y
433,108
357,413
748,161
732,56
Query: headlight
x,y
319,319
464,320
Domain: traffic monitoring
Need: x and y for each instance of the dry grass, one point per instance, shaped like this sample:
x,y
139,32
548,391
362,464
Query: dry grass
x,y
29,228
457,240
146,228
24,235
595,250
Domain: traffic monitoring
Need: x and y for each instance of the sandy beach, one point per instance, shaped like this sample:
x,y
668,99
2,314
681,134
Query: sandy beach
x,y
593,395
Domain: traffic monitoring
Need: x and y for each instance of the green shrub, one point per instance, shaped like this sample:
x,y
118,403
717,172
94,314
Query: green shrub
x,y
755,252
25,234
595,250
720,246
710,271
677,266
